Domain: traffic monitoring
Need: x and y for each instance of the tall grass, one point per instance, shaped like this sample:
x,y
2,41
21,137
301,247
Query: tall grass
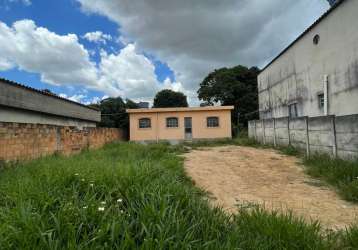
x,y
342,174
128,196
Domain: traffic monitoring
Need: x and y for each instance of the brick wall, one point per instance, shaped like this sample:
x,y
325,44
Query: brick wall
x,y
31,141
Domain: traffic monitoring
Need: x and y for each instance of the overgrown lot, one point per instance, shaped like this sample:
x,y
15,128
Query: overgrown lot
x,y
128,196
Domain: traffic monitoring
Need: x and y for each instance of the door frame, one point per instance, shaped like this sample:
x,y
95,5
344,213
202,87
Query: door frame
x,y
188,135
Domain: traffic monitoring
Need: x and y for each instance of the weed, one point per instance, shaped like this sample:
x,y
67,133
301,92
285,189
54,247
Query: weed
x,y
339,173
128,196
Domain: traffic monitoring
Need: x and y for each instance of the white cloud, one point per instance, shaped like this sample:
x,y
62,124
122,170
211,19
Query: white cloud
x,y
5,64
75,98
194,37
25,2
62,60
97,37
129,74
58,59
84,99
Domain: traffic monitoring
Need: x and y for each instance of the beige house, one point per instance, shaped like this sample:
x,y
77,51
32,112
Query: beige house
x,y
178,124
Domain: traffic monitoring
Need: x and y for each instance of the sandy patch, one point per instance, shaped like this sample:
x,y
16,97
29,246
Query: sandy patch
x,y
239,175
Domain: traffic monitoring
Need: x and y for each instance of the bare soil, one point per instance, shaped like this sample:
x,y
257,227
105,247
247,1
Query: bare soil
x,y
238,176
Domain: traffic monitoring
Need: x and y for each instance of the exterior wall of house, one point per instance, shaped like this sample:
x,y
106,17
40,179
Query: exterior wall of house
x,y
25,105
299,75
26,116
159,131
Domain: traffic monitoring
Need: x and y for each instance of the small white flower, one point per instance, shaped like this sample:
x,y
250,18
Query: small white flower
x,y
76,174
82,179
85,207
101,209
103,202
121,211
91,185
119,200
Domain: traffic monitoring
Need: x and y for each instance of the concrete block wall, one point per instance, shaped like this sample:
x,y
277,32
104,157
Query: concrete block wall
x,y
336,136
321,134
281,130
251,129
259,131
347,135
20,141
298,132
269,131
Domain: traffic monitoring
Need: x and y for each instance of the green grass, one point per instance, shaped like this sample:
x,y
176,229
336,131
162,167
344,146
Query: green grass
x,y
128,196
341,174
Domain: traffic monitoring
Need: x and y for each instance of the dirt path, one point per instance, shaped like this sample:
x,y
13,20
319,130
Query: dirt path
x,y
237,175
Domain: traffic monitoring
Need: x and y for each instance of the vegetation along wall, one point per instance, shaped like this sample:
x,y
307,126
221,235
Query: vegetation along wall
x,y
19,141
333,135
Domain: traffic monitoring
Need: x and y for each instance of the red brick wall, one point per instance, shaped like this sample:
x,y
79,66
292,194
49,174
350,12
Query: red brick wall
x,y
31,141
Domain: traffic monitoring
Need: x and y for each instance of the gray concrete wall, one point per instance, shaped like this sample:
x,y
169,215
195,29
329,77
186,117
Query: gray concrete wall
x,y
25,116
252,133
298,132
281,128
347,135
336,136
321,134
259,132
18,97
269,131
298,75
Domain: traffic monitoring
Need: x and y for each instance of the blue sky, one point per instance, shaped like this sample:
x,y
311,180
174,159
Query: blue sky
x,y
63,17
140,48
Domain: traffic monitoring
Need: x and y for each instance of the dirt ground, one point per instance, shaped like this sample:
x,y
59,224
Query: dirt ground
x,y
242,175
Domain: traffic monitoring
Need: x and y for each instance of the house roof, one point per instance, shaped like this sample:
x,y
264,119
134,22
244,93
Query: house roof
x,y
6,81
164,110
334,7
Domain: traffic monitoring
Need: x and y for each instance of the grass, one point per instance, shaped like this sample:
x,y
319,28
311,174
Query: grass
x,y
341,174
128,196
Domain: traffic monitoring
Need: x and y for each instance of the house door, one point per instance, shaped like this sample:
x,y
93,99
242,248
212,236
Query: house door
x,y
188,128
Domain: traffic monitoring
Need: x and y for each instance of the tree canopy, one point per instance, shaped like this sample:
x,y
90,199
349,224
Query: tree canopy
x,y
168,98
233,86
113,112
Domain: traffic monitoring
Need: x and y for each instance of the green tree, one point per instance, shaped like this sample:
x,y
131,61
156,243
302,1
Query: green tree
x,y
233,86
168,99
113,111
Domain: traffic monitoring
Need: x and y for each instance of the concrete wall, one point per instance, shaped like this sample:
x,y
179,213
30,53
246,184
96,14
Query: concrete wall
x,y
281,130
347,135
298,75
159,131
333,135
20,141
26,116
22,98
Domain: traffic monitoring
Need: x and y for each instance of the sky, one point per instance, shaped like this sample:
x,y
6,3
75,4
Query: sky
x,y
88,50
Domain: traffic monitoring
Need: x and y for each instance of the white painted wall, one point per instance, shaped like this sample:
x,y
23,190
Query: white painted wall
x,y
298,75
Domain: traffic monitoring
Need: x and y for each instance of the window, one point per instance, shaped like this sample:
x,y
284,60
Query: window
x,y
172,122
212,122
144,123
292,110
316,39
321,101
